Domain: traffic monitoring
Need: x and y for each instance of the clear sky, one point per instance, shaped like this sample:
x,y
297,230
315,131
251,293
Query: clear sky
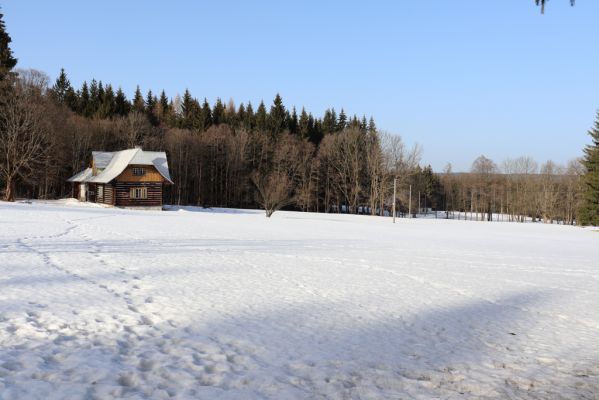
x,y
462,78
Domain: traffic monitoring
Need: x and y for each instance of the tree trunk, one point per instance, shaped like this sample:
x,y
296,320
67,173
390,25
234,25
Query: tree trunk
x,y
9,194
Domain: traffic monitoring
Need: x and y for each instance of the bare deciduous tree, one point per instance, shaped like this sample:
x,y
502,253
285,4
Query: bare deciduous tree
x,y
273,191
22,131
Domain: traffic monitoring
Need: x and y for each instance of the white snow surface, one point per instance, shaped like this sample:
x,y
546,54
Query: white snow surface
x,y
101,303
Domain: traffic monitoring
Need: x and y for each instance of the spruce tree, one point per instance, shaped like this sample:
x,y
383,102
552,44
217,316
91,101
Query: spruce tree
x,y
83,99
121,104
293,122
304,124
342,122
150,101
218,112
164,102
7,61
249,122
206,115
61,87
101,93
589,211
108,107
241,113
316,130
277,116
329,121
94,99
138,101
371,125
261,118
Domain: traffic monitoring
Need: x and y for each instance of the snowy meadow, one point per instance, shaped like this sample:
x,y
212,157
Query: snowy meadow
x,y
99,303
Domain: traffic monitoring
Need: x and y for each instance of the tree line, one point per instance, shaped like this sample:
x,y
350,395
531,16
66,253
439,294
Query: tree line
x,y
272,157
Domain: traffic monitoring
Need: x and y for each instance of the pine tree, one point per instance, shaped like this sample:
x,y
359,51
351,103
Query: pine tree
x,y
432,188
83,99
316,130
371,125
342,122
108,107
241,114
277,116
186,109
206,115
304,127
589,211
218,112
164,103
61,87
138,101
94,101
7,61
101,93
329,121
261,118
249,122
121,104
293,122
150,101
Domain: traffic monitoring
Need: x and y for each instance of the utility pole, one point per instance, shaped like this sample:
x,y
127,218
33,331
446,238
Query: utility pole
x,y
410,205
394,187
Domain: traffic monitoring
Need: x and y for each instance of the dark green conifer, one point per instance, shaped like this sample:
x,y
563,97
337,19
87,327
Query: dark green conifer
x,y
589,211
122,106
249,121
7,61
83,107
304,127
218,112
261,118
277,115
293,122
206,115
61,87
371,125
342,122
138,103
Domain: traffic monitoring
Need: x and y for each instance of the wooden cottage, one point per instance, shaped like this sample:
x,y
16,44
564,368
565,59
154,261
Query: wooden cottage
x,y
127,178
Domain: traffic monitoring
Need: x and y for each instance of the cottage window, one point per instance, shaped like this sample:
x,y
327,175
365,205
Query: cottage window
x,y
138,193
100,191
139,171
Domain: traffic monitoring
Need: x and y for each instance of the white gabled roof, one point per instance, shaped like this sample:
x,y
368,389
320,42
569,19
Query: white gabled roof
x,y
82,176
102,158
155,158
121,159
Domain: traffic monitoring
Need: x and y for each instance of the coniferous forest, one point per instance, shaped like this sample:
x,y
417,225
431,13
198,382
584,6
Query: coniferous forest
x,y
268,155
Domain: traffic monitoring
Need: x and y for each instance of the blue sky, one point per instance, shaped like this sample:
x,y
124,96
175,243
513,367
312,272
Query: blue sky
x,y
462,78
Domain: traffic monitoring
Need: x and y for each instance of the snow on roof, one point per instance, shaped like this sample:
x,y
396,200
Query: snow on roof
x,y
81,176
155,158
121,159
102,158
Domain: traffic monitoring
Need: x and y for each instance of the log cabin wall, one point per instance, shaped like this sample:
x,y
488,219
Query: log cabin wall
x,y
151,174
123,194
109,194
100,193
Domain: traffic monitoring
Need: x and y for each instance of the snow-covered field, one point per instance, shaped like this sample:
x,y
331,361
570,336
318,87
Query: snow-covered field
x,y
100,303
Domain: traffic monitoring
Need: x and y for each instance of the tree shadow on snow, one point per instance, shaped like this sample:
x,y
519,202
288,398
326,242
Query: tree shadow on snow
x,y
479,349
